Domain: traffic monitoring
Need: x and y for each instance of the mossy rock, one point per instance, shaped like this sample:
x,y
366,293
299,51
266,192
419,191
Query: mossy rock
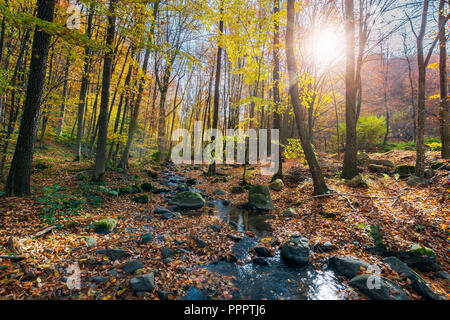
x,y
357,182
141,199
277,185
103,226
147,238
414,181
130,190
435,165
237,190
42,165
404,170
362,157
380,162
375,233
147,187
259,198
188,200
422,250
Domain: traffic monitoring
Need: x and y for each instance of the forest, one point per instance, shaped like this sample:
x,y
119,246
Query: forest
x,y
224,150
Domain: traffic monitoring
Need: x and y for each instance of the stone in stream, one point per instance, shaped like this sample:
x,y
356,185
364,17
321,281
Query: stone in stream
x,y
234,237
262,251
166,252
114,253
188,200
147,238
200,243
277,185
225,202
132,266
260,261
160,210
377,288
296,251
219,192
182,187
90,241
103,226
347,266
144,283
419,257
100,279
259,198
418,284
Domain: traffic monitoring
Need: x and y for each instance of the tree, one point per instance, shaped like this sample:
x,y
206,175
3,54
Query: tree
x,y
443,80
100,156
299,111
350,168
18,182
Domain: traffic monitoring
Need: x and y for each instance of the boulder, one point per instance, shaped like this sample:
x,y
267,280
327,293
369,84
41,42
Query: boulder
x,y
103,226
237,190
357,182
161,210
418,284
100,279
115,253
260,261
166,252
234,237
219,192
380,162
188,200
377,168
347,266
404,170
90,241
259,198
200,243
419,261
144,283
147,238
296,251
387,290
262,251
277,185
143,199
414,181
147,187
132,266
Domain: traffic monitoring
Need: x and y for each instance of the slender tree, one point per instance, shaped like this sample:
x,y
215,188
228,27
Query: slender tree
x,y
443,81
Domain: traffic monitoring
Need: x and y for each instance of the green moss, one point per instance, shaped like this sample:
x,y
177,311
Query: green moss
x,y
103,226
422,250
141,199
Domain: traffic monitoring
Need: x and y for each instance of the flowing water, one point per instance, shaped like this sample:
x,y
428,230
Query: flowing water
x,y
275,281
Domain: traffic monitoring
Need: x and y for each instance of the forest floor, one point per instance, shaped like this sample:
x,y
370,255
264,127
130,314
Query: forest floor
x,y
62,196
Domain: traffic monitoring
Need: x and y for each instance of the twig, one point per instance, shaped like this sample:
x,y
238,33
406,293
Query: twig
x,y
45,231
12,257
396,199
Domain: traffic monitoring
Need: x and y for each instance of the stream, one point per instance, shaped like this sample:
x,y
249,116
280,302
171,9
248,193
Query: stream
x,y
253,281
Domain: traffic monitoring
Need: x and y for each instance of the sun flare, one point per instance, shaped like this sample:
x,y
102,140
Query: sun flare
x,y
327,46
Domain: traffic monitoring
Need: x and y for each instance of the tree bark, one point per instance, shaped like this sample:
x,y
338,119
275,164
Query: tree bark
x,y
350,168
100,155
443,81
65,93
299,111
18,182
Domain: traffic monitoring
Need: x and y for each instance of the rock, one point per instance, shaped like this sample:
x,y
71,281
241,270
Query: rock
x,y
428,173
377,168
166,252
357,182
234,237
262,251
277,185
325,247
435,165
100,279
200,243
380,162
161,210
90,241
443,275
191,181
132,266
188,200
144,283
347,266
130,190
147,238
167,260
387,289
181,187
296,251
290,213
421,250
114,272
259,198
152,173
237,190
167,216
141,199
261,261
115,253
424,263
219,192
147,187
215,227
404,170
13,244
103,226
225,202
414,181
362,157
418,284
163,295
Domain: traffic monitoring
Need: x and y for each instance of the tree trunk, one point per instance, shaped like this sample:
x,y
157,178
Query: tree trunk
x,y
100,156
65,91
84,87
18,182
212,166
299,111
276,85
443,78
350,168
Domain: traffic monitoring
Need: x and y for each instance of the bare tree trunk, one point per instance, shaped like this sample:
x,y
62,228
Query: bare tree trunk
x,y
350,168
84,87
65,91
100,156
212,166
299,111
18,182
443,79
276,86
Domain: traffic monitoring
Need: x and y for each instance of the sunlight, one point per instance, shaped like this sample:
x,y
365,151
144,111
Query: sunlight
x,y
327,47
